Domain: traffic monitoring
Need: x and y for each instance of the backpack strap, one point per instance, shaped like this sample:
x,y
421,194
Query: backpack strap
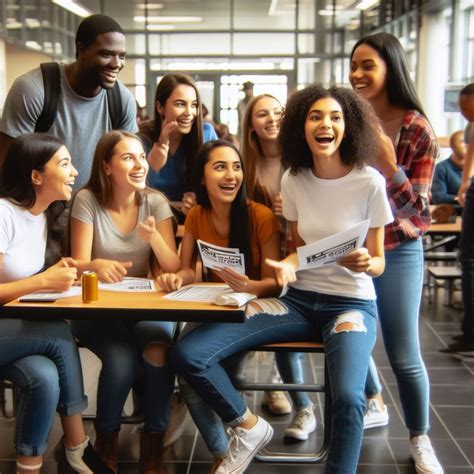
x,y
52,90
114,101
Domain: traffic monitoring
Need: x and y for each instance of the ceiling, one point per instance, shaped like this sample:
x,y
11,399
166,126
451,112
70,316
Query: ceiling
x,y
216,14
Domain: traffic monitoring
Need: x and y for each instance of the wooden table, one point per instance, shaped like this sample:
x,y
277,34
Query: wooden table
x,y
451,228
125,305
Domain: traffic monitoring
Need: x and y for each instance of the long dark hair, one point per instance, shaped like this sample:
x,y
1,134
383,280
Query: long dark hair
x,y
192,141
400,88
240,225
359,144
26,153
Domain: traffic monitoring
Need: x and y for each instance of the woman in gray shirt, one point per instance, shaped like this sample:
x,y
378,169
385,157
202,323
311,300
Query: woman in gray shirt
x,y
118,228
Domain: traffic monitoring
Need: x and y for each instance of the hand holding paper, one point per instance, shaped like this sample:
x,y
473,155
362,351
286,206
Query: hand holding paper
x,y
333,248
235,280
357,261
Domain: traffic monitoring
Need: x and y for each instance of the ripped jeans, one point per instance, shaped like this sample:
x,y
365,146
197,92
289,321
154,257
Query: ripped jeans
x,y
304,315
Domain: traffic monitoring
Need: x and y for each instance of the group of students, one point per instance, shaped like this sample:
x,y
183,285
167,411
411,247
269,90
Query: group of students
x,y
333,159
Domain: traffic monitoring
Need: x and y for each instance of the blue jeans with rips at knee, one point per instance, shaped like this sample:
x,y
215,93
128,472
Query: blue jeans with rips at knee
x,y
120,346
197,358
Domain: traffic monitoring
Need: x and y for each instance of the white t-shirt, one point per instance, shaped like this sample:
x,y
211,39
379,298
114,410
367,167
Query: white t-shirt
x,y
323,207
22,242
111,243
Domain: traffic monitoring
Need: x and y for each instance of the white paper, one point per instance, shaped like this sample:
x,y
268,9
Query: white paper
x,y
213,256
332,248
130,284
198,293
49,295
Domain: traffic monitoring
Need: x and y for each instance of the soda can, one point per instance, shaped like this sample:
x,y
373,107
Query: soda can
x,y
90,287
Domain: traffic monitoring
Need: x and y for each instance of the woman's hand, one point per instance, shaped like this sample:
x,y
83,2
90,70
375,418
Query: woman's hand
x,y
111,271
285,273
60,276
461,196
166,129
147,228
235,280
357,261
169,282
277,205
189,201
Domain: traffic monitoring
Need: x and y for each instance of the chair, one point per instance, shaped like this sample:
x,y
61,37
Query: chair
x,y
313,348
446,274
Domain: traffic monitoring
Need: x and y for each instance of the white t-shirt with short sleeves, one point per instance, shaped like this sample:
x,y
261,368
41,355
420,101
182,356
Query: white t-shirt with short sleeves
x,y
324,207
22,242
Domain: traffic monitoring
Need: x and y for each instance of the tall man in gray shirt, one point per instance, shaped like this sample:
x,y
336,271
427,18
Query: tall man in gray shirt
x,y
82,113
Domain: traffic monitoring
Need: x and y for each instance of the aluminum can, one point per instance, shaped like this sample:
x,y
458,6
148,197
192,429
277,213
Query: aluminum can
x,y
90,287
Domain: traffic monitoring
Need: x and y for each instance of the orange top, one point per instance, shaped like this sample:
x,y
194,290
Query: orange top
x,y
263,225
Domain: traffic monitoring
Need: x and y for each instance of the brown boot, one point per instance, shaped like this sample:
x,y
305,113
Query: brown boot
x,y
106,447
151,453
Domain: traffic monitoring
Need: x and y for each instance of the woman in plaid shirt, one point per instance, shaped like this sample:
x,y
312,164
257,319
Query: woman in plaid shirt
x,y
379,73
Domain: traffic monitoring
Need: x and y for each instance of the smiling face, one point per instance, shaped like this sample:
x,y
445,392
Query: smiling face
x,y
266,118
324,128
182,107
55,182
102,60
368,72
223,175
128,167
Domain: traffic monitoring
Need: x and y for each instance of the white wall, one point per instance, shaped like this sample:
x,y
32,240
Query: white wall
x,y
19,61
433,67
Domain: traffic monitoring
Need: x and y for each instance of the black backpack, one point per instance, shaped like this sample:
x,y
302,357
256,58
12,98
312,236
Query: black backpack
x,y
52,91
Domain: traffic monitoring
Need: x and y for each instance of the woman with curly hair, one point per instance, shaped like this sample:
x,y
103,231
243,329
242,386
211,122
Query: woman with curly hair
x,y
326,136
379,73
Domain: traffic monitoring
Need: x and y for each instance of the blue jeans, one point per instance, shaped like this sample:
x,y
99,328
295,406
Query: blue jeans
x,y
120,346
399,291
198,356
466,257
42,359
209,423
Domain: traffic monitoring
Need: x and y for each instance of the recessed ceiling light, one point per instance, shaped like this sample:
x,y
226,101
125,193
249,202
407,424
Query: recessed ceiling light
x,y
74,7
167,19
149,6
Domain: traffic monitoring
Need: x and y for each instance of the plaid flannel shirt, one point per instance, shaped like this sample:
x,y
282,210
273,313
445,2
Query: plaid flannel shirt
x,y
408,189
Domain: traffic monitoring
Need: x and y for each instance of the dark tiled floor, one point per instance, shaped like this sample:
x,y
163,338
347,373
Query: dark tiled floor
x,y
385,450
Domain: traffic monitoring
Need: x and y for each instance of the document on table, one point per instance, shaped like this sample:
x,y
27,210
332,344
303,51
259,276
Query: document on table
x,y
220,295
214,256
50,295
130,284
332,248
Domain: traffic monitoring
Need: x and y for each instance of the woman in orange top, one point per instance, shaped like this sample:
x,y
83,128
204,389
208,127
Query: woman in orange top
x,y
225,217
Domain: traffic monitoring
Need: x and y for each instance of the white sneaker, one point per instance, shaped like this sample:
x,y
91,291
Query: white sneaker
x,y
243,446
375,415
276,402
179,417
303,424
424,456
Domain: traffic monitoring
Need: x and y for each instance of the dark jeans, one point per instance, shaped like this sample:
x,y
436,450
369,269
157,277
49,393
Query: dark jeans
x,y
466,257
